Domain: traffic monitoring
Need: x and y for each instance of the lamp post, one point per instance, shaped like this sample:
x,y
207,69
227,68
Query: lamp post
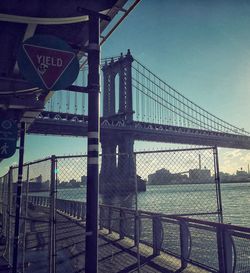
x,y
92,211
91,254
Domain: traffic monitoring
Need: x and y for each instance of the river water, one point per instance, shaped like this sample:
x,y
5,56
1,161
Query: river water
x,y
196,198
173,199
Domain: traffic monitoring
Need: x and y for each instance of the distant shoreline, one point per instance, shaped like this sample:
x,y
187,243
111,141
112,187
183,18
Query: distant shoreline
x,y
234,182
200,183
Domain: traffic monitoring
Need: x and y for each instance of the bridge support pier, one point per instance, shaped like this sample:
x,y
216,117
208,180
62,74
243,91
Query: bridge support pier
x,y
117,175
118,172
108,167
126,163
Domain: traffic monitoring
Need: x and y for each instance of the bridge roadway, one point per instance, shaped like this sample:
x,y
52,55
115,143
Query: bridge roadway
x,y
65,124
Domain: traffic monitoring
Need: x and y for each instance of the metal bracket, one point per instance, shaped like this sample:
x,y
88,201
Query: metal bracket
x,y
76,88
82,89
92,12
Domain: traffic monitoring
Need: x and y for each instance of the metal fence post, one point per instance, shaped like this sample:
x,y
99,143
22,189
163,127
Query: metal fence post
x,y
8,212
5,216
110,220
102,215
157,235
83,212
121,224
52,242
18,198
217,182
25,216
137,229
184,233
1,194
228,251
78,214
220,248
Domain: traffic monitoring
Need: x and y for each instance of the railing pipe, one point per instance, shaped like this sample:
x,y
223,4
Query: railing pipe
x,y
224,232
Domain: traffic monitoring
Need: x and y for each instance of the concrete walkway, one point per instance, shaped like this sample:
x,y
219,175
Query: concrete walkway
x,y
115,255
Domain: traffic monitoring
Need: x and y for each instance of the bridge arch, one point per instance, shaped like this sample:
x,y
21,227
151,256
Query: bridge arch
x,y
117,87
118,109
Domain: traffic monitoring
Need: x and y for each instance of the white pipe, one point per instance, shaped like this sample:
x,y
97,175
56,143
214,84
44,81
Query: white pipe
x,y
42,21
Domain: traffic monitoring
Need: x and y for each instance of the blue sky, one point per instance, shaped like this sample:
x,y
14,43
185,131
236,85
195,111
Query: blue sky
x,y
201,48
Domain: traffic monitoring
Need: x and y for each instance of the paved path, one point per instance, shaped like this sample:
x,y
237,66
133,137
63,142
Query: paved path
x,y
115,255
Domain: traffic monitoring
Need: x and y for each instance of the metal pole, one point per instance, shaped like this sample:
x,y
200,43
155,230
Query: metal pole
x,y
91,254
218,188
137,223
25,217
18,198
52,245
9,212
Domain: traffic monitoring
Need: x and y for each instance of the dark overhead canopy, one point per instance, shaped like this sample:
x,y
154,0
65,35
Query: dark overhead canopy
x,y
21,19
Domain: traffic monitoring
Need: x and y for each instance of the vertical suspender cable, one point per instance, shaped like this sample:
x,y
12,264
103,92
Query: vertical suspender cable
x,y
68,102
137,94
75,103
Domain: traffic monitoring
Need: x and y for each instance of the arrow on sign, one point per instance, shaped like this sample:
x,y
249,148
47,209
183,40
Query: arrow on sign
x,y
49,63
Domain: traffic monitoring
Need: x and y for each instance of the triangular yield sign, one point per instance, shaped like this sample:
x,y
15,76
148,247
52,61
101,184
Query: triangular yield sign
x,y
49,63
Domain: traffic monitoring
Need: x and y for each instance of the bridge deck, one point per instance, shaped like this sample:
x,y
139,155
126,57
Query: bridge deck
x,y
115,255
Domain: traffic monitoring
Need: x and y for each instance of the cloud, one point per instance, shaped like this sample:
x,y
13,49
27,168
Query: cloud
x,y
231,160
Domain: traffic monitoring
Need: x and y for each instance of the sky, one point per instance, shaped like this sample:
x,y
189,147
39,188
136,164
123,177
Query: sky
x,y
201,48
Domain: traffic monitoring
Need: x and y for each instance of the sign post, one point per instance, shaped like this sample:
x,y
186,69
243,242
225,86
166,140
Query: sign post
x,y
50,64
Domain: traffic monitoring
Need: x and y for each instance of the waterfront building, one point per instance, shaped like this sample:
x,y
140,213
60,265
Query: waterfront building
x,y
200,176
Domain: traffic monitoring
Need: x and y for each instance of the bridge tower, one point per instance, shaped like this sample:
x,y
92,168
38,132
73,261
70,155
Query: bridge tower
x,y
118,173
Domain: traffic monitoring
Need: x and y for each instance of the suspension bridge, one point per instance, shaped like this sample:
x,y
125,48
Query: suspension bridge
x,y
138,103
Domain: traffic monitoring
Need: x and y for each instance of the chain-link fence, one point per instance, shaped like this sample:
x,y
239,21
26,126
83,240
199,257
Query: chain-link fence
x,y
181,182
159,211
34,224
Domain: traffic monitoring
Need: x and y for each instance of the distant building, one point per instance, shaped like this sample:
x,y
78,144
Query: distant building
x,y
225,177
165,177
84,180
38,179
242,173
160,177
200,176
72,181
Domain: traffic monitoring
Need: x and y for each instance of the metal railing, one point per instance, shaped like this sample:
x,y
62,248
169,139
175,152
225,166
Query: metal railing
x,y
173,184
216,251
